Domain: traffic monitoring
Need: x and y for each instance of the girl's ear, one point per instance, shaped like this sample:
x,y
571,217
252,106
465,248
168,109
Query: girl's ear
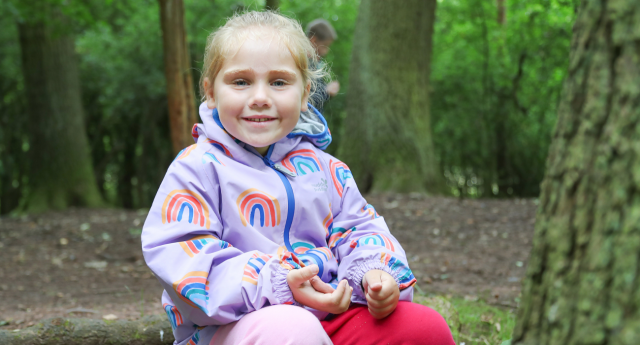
x,y
208,90
305,97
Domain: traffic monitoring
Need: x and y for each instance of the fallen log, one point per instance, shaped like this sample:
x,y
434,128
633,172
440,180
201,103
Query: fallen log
x,y
150,330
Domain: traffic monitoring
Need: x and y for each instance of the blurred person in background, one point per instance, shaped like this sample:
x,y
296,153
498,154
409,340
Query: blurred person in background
x,y
322,34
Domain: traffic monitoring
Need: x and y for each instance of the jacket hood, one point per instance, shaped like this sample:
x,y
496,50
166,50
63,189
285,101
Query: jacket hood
x,y
311,127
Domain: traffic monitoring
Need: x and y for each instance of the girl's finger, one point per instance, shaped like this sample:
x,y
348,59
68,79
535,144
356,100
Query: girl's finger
x,y
321,286
346,299
336,296
299,276
379,303
380,313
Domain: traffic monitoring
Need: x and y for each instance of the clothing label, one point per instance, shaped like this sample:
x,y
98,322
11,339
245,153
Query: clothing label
x,y
320,186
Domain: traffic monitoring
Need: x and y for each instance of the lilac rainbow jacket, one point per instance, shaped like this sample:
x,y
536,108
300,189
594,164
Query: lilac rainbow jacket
x,y
228,224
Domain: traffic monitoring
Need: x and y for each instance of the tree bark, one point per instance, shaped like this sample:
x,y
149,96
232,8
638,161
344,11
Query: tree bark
x,y
583,283
388,142
60,172
177,70
272,5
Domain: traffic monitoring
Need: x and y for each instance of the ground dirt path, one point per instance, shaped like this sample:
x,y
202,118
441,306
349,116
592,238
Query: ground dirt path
x,y
88,262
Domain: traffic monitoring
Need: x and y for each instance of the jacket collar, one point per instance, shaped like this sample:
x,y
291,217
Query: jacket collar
x,y
311,127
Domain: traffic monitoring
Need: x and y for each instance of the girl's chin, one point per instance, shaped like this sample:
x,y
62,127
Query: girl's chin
x,y
257,143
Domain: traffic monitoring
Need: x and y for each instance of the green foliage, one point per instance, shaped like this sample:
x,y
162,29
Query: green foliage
x,y
480,107
495,91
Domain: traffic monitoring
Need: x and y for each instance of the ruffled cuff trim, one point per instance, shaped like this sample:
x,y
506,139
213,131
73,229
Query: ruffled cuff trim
x,y
281,289
402,274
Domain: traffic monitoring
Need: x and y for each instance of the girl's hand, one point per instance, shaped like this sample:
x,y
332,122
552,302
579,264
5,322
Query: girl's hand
x,y
382,293
311,291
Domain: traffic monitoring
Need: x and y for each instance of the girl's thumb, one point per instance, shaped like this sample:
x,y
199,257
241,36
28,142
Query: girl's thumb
x,y
309,271
305,273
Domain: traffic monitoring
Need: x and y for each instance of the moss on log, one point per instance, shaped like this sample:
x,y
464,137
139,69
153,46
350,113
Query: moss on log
x,y
150,330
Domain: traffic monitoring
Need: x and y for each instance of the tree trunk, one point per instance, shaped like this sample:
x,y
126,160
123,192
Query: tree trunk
x,y
388,142
177,70
60,172
502,12
272,5
583,284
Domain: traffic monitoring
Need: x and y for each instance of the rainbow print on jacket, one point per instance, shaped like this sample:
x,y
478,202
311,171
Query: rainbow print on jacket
x,y
327,223
404,276
180,201
374,240
210,157
195,338
185,152
175,318
368,208
220,147
193,289
254,202
339,173
194,132
254,266
302,162
317,256
301,247
338,235
288,259
196,244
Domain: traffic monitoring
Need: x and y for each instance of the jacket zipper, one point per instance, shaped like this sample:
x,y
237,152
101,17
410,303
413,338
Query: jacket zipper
x,y
291,201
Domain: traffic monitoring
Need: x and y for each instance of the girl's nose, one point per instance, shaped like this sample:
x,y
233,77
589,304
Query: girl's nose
x,y
260,98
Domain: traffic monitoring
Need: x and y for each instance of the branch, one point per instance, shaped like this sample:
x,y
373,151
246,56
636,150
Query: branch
x,y
516,83
150,330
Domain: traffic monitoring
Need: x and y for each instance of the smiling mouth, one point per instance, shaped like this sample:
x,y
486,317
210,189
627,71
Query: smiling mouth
x,y
258,120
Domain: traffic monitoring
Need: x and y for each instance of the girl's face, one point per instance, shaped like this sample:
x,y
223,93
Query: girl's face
x,y
259,93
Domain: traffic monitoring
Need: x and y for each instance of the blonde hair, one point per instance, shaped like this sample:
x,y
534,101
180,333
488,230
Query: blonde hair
x,y
227,40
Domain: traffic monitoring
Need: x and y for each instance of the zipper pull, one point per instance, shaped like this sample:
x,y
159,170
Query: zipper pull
x,y
283,170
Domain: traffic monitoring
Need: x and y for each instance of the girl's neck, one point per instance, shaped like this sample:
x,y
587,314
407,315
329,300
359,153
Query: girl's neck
x,y
262,150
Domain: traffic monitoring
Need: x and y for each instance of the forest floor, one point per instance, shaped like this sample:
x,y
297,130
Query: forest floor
x,y
88,262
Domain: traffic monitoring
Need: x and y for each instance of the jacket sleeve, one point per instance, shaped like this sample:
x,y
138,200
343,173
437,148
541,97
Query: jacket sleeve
x,y
360,238
211,281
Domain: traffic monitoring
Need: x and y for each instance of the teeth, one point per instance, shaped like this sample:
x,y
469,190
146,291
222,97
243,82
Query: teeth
x,y
259,120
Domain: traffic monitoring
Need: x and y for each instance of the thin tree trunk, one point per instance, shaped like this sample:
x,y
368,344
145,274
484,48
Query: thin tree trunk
x,y
177,70
583,279
272,5
61,172
388,141
502,12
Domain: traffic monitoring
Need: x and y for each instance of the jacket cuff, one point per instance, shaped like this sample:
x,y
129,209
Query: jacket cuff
x,y
281,290
360,268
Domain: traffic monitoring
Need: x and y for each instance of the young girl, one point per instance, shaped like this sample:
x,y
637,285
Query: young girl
x,y
256,234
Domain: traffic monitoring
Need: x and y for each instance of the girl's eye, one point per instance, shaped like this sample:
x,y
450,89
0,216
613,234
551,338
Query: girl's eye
x,y
279,83
240,82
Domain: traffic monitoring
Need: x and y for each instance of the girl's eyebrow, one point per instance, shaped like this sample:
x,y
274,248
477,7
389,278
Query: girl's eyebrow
x,y
287,73
235,72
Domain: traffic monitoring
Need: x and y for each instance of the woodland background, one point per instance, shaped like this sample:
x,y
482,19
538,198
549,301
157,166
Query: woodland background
x,y
448,97
497,68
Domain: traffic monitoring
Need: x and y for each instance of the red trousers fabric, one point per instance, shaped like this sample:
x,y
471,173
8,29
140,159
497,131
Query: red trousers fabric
x,y
410,323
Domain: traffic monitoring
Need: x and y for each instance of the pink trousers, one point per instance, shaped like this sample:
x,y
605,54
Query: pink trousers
x,y
410,323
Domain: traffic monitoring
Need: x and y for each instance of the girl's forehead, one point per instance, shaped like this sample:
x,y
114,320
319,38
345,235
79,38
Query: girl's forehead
x,y
258,39
261,52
